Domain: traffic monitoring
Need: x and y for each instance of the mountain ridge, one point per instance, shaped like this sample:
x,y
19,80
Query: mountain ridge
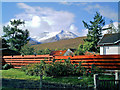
x,y
52,37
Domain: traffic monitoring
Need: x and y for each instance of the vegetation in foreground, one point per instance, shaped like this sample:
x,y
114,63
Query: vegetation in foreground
x,y
56,72
18,74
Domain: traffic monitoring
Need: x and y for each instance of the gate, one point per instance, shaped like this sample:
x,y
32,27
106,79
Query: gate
x,y
108,85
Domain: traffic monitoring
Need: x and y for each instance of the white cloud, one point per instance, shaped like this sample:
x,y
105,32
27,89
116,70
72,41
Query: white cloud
x,y
74,3
26,7
84,32
104,10
36,21
66,3
74,29
40,19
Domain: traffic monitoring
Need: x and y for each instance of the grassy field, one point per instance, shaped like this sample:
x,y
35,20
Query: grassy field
x,y
15,77
18,74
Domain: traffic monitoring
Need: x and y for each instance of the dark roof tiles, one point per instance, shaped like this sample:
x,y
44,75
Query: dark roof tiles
x,y
110,39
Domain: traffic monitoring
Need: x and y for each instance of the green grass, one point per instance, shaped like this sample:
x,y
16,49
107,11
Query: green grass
x,y
18,74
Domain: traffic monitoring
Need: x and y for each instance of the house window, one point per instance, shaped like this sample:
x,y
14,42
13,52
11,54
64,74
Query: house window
x,y
60,52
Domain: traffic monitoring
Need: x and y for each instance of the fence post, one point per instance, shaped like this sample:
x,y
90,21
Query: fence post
x,y
117,78
95,81
41,80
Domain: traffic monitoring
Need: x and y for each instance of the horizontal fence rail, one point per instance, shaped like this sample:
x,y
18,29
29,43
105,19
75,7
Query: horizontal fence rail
x,y
101,61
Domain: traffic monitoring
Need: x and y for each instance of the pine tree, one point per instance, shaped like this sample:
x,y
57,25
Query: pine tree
x,y
94,32
14,36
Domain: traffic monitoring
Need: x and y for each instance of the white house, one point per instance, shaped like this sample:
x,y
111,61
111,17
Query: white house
x,y
110,44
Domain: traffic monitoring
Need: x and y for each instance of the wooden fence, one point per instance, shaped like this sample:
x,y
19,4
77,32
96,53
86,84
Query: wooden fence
x,y
18,61
102,61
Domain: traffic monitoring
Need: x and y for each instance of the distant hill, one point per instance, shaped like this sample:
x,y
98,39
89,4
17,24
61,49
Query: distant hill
x,y
70,43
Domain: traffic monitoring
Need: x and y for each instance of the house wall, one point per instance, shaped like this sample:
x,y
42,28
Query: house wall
x,y
119,49
68,53
108,50
101,50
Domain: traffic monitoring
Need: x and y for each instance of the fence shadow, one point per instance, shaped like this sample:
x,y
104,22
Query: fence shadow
x,y
18,84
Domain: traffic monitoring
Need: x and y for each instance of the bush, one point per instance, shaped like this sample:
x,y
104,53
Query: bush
x,y
55,69
7,66
23,68
34,69
27,50
59,69
91,71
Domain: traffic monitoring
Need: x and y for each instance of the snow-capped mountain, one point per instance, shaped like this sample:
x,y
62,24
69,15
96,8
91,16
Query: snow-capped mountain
x,y
46,37
66,35
33,41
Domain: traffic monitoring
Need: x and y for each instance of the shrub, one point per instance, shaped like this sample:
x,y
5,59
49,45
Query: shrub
x,y
7,66
92,70
55,69
23,68
36,69
78,69
27,50
58,69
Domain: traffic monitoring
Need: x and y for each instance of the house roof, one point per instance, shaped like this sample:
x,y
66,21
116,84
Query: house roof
x,y
110,39
58,53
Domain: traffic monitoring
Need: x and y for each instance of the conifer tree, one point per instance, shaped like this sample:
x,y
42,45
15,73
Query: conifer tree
x,y
14,36
94,32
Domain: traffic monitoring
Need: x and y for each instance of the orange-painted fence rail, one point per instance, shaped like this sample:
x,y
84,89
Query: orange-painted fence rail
x,y
101,61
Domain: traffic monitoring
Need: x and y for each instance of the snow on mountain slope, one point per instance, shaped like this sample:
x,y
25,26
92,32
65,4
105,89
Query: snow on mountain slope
x,y
66,35
46,37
